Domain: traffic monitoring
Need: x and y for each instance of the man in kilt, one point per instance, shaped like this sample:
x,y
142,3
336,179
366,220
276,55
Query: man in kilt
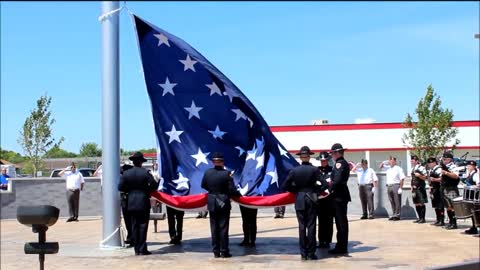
x,y
419,193
450,180
436,192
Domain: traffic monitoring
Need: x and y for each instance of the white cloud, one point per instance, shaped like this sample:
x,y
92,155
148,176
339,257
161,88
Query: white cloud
x,y
364,120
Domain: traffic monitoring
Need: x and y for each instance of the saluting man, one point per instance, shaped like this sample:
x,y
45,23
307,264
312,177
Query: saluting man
x,y
341,197
419,192
219,184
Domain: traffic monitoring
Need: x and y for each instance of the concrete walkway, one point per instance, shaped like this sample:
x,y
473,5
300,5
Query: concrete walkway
x,y
374,244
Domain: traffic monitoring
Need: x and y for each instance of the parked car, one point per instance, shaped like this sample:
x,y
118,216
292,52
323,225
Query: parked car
x,y
86,172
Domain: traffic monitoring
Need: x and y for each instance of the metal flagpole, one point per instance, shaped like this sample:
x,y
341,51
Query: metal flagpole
x,y
110,126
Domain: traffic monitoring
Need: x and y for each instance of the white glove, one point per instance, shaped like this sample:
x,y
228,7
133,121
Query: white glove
x,y
399,191
373,189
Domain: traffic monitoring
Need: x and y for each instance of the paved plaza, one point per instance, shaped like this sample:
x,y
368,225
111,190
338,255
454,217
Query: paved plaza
x,y
373,244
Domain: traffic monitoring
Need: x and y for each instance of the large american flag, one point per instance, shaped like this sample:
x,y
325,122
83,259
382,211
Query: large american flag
x,y
198,111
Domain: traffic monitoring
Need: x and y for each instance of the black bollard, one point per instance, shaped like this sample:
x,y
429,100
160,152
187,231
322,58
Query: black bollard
x,y
39,217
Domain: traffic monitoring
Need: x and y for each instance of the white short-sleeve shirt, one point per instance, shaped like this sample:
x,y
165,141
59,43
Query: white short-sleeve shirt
x,y
366,177
394,175
73,180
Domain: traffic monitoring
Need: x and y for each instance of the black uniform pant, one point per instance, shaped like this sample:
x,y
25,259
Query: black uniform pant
x,y
175,216
140,221
219,224
307,220
73,200
128,223
341,222
249,224
325,220
279,211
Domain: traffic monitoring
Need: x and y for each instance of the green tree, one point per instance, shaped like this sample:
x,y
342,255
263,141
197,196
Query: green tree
x,y
433,130
57,152
11,156
36,136
90,150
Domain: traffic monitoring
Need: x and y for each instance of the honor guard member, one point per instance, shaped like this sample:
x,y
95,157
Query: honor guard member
x,y
127,219
138,183
473,179
175,225
218,182
450,180
325,207
419,192
302,181
436,192
341,197
249,226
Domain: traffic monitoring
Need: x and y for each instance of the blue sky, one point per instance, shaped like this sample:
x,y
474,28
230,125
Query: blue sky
x,y
296,61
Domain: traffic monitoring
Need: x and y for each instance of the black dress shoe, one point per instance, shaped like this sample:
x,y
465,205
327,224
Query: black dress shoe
x,y
143,253
363,217
199,216
421,221
416,221
391,218
313,257
337,251
226,255
216,254
70,219
370,217
441,224
451,227
396,219
324,245
472,230
243,243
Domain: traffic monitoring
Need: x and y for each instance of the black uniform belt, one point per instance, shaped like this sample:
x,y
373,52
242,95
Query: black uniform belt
x,y
365,185
306,190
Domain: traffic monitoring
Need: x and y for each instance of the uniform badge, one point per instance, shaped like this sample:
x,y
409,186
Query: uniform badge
x,y
338,165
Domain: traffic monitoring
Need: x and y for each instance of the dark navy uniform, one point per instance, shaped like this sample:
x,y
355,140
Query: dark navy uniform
x,y
124,204
219,184
302,180
175,225
325,213
249,226
436,193
138,183
341,197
